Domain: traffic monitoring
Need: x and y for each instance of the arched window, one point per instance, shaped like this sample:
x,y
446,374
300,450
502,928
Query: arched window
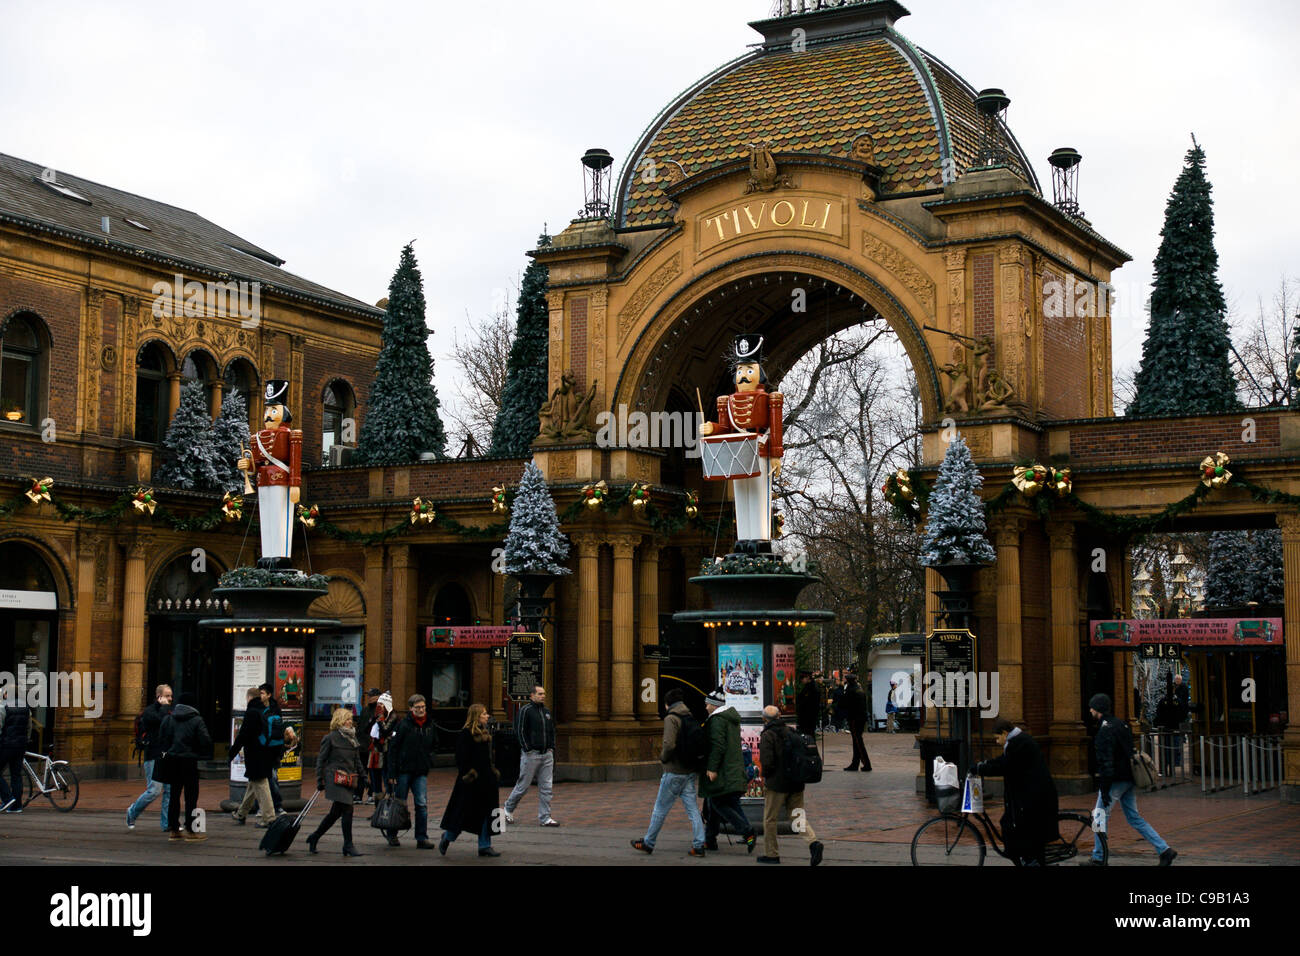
x,y
21,371
338,425
241,377
151,418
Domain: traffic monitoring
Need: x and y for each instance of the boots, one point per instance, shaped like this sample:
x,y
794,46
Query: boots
x,y
350,850
312,841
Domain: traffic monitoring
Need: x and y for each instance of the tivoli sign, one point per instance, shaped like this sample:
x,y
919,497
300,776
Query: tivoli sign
x,y
807,213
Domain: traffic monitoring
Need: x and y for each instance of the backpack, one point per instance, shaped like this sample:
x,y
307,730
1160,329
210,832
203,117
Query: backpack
x,y
800,761
692,743
272,735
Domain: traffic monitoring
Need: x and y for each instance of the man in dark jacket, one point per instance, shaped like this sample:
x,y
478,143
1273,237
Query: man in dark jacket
x,y
1029,822
410,758
678,781
782,796
150,729
272,709
1114,749
854,702
723,780
536,730
807,704
15,727
257,761
185,741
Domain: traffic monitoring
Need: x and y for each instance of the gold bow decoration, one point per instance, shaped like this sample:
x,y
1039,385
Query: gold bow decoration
x,y
1029,479
692,504
1060,481
899,485
232,507
639,495
1214,471
40,490
308,516
778,524
422,512
499,505
144,501
593,495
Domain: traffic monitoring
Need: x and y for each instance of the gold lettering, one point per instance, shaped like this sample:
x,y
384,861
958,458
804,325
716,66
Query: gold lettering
x,y
826,218
735,215
787,204
717,221
803,219
752,221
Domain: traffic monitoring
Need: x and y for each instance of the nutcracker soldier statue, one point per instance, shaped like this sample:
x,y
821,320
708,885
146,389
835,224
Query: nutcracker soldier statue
x,y
277,459
744,445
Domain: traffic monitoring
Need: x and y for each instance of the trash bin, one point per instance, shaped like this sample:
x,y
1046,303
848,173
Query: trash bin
x,y
949,749
505,755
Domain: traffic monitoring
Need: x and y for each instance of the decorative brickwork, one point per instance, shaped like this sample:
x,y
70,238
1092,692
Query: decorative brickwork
x,y
1064,340
983,294
578,344
1173,439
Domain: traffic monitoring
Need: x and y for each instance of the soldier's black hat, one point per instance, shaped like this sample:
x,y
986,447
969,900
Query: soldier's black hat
x,y
748,347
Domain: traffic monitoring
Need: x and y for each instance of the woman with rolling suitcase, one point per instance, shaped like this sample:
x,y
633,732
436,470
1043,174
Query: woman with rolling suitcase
x,y
338,768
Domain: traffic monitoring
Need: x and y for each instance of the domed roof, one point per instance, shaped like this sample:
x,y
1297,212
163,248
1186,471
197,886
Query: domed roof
x,y
918,112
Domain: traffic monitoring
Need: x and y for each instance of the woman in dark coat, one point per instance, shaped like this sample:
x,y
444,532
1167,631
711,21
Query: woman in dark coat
x,y
339,752
1029,822
474,797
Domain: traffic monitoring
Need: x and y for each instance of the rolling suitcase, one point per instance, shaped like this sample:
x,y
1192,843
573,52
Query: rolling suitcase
x,y
280,834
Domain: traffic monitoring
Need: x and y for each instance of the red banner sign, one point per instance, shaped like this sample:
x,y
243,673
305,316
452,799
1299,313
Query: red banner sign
x,y
1190,631
468,637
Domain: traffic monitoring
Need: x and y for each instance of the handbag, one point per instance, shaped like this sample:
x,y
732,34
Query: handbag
x,y
346,780
1144,771
391,814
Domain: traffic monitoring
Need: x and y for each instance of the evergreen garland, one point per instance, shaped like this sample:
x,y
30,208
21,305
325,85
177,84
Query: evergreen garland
x,y
402,418
524,392
1185,356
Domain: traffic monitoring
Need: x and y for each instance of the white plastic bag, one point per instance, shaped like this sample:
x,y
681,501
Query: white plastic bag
x,y
945,773
972,800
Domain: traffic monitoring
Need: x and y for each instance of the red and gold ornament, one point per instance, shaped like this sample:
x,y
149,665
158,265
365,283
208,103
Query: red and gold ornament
x,y
232,507
40,490
422,512
144,501
594,495
308,515
1214,471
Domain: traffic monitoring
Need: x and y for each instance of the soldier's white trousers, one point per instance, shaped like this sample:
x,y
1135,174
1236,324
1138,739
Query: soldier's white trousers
x,y
275,516
754,504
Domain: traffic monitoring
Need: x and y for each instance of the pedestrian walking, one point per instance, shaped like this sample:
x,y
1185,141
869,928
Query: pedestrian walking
x,y
375,729
854,702
15,728
891,709
723,780
535,728
1029,823
279,736
410,758
1113,747
782,793
257,761
473,800
837,708
682,754
807,704
185,741
338,768
150,743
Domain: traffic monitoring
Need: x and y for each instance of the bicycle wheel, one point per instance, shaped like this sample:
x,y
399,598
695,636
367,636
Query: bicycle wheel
x,y
1077,839
948,840
66,789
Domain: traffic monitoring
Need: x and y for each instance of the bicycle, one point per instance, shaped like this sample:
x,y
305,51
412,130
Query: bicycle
x,y
57,781
951,839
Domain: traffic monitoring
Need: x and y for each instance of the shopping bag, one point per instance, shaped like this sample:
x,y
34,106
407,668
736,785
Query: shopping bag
x,y
1098,820
945,773
972,800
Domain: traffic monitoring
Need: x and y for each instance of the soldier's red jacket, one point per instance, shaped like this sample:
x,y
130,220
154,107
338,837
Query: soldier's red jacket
x,y
755,411
284,444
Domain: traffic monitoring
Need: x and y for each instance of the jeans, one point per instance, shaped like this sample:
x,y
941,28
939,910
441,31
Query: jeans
x,y
273,782
1125,794
674,786
484,834
417,784
726,808
534,764
152,790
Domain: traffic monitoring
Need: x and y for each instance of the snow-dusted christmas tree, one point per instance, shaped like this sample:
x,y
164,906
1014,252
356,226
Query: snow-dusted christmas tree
x,y
1244,567
954,532
534,544
190,454
230,435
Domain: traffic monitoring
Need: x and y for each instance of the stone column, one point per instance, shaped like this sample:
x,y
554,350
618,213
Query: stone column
x,y
588,546
1011,694
1069,736
374,647
130,699
405,586
216,387
1290,524
622,689
173,393
649,630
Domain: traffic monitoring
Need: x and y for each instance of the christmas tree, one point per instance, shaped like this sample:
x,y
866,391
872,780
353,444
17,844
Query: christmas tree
x,y
534,544
516,424
1185,356
402,413
954,531
191,458
230,436
1245,567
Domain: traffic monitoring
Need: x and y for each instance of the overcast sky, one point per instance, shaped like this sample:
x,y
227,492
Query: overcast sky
x,y
334,133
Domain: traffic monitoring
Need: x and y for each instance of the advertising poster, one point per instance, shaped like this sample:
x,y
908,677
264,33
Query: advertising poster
x,y
237,765
291,762
749,734
740,674
783,684
290,666
250,671
336,674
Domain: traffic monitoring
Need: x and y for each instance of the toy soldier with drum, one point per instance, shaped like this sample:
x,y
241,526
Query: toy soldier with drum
x,y
277,458
744,445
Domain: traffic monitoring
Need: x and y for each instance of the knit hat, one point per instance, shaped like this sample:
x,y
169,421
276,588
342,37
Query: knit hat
x,y
386,701
717,698
1099,703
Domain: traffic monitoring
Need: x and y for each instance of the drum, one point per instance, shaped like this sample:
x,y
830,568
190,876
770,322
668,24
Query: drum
x,y
729,456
